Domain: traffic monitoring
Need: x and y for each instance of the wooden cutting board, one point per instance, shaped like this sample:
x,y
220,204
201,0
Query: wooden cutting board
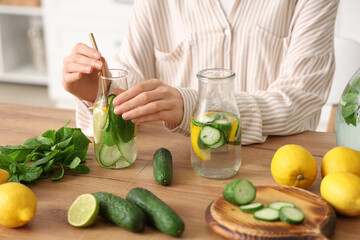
x,y
230,222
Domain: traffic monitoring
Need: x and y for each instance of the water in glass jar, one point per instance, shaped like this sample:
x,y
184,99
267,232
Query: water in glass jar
x,y
216,145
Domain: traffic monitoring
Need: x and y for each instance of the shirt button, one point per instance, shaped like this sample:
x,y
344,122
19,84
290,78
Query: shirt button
x,y
227,31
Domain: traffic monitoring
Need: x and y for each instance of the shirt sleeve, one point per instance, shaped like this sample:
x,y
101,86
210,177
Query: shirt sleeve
x,y
289,104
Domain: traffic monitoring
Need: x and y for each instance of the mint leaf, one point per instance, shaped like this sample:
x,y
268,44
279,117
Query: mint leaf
x,y
28,174
59,175
349,109
81,169
75,163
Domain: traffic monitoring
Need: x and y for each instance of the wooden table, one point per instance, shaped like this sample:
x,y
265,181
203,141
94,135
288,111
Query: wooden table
x,y
189,194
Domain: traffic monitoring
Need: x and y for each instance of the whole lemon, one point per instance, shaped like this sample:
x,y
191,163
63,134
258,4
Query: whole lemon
x,y
342,191
341,159
17,204
4,176
293,165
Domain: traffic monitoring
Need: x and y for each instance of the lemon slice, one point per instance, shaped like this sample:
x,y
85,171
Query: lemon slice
x,y
203,154
99,118
83,211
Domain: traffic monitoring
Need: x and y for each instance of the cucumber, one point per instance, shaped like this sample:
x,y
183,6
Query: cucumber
x,y
162,168
291,215
128,150
121,212
157,212
220,143
222,124
108,156
267,214
210,135
252,207
279,204
239,192
205,119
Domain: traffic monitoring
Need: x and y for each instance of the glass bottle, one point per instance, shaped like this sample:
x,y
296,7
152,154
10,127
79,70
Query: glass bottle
x,y
216,126
114,137
347,123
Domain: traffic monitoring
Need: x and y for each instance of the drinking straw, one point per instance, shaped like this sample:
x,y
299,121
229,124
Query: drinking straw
x,y
92,38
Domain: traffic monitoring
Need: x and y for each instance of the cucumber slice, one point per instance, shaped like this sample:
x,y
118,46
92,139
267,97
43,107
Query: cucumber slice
x,y
291,215
252,207
109,155
203,119
239,192
220,143
267,214
279,204
128,150
222,124
210,135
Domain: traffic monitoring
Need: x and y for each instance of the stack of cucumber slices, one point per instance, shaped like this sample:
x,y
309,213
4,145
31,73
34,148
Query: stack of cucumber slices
x,y
242,192
114,136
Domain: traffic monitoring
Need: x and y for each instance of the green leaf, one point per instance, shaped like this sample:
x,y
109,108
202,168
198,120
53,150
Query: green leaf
x,y
75,163
6,161
350,97
13,168
126,129
9,149
48,167
63,133
28,174
13,178
62,144
81,169
46,158
59,175
349,109
351,119
31,143
50,135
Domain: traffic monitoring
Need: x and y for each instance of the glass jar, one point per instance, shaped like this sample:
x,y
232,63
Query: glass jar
x,y
347,123
216,126
114,137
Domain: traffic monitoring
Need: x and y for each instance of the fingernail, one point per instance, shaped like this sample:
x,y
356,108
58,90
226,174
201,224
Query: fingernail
x,y
98,65
125,116
97,55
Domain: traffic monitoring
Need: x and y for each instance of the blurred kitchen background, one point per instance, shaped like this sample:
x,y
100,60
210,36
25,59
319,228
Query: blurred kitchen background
x,y
35,35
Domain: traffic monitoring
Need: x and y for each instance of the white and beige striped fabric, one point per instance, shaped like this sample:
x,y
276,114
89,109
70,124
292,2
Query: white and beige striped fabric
x,y
281,51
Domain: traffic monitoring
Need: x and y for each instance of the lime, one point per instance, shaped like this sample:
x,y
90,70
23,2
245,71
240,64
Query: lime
x,y
83,211
100,117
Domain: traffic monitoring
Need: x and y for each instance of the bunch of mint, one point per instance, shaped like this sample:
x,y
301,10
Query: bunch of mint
x,y
45,156
350,103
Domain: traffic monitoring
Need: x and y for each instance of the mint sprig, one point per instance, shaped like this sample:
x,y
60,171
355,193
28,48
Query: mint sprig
x,y
350,103
48,155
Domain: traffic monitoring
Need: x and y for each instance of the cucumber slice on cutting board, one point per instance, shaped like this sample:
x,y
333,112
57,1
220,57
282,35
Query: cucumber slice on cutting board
x,y
252,207
267,214
279,204
291,215
109,155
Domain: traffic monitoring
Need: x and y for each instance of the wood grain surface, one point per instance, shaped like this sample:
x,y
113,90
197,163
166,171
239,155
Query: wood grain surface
x,y
188,194
229,221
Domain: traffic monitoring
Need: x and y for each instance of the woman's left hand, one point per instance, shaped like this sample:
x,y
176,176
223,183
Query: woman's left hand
x,y
150,101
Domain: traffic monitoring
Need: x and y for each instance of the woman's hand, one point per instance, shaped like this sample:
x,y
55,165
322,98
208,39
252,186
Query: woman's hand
x,y
80,72
150,101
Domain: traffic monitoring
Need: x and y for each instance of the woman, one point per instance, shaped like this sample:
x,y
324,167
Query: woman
x,y
281,51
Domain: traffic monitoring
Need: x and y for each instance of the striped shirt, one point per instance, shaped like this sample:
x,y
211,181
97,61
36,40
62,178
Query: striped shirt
x,y
281,51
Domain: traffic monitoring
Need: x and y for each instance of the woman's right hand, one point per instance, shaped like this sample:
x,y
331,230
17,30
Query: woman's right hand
x,y
79,75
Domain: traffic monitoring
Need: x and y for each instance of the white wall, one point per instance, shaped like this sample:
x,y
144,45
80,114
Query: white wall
x,y
347,26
